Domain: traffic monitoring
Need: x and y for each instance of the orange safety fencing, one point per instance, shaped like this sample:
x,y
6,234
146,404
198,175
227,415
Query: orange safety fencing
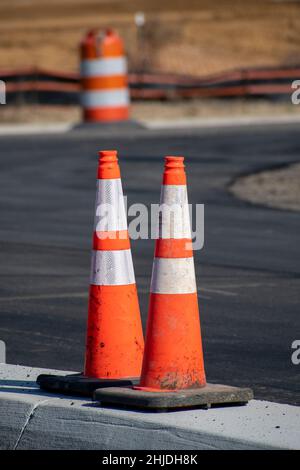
x,y
57,87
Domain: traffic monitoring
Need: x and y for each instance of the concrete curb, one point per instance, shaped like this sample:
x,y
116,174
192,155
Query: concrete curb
x,y
33,419
211,122
148,125
27,129
2,352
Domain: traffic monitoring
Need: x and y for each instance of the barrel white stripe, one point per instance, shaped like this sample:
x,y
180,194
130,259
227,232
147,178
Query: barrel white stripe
x,y
103,67
110,208
112,268
113,97
173,276
174,220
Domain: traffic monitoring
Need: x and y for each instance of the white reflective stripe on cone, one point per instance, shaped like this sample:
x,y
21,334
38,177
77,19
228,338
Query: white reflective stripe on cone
x,y
173,276
112,268
173,194
174,218
110,208
113,97
103,67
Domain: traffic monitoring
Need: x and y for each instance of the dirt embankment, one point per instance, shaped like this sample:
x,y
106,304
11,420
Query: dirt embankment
x,y
276,188
192,37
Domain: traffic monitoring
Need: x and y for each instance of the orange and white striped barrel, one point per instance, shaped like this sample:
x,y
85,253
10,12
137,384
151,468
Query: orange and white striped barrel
x,y
104,79
115,343
173,357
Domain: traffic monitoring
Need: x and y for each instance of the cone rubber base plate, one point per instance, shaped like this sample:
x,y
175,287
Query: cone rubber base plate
x,y
210,395
78,384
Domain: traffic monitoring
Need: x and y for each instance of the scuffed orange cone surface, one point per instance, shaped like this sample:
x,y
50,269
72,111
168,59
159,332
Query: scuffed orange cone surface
x,y
173,358
114,345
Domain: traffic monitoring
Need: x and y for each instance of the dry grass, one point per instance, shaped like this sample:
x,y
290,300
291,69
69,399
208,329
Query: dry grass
x,y
194,37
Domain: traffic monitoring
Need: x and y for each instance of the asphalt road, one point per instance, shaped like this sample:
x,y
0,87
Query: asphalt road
x,y
248,272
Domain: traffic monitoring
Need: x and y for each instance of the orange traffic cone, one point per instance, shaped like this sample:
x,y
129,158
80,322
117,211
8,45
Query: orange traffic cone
x,y
173,356
173,369
115,344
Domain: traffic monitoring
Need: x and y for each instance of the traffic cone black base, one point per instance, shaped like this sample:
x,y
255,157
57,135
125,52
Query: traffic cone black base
x,y
78,384
205,397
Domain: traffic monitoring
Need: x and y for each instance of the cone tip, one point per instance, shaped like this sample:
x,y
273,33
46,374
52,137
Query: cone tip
x,y
108,155
174,158
108,167
174,170
174,161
